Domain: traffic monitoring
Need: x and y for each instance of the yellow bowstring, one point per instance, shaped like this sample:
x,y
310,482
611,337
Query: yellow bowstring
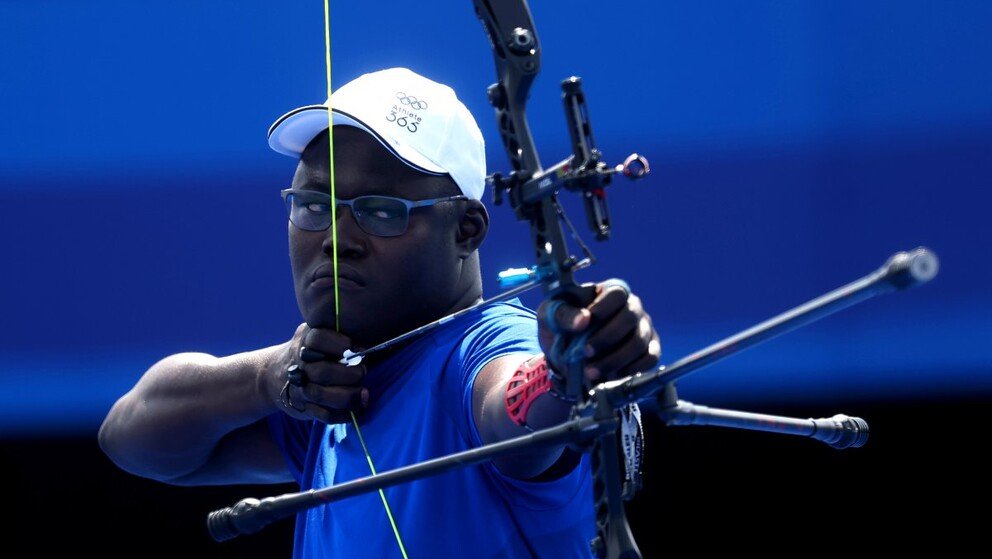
x,y
334,243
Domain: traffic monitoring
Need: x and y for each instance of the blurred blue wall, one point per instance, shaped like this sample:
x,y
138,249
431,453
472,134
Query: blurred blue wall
x,y
795,145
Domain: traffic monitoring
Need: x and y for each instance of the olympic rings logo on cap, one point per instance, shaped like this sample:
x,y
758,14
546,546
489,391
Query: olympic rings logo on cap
x,y
412,101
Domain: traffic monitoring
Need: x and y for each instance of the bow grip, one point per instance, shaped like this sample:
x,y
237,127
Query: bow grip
x,y
568,351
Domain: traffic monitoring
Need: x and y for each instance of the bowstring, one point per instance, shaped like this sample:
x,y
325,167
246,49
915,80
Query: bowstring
x,y
334,244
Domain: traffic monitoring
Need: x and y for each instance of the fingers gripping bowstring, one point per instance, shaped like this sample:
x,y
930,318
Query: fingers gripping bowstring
x,y
334,243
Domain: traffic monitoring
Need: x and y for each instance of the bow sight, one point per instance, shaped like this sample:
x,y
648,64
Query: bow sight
x,y
532,190
583,171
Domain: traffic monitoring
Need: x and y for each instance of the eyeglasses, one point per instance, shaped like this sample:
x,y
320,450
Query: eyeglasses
x,y
382,216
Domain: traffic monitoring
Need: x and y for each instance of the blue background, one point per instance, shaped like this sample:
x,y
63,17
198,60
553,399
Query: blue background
x,y
794,147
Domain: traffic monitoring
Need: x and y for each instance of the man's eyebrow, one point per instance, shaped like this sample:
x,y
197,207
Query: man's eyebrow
x,y
381,190
326,189
405,187
316,186
395,189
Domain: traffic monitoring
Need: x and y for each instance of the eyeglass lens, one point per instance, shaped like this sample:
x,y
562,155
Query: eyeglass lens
x,y
376,215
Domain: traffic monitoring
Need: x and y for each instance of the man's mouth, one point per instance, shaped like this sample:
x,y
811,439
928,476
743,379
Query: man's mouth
x,y
324,275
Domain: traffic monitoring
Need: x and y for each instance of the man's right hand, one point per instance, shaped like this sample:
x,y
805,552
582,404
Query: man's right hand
x,y
329,390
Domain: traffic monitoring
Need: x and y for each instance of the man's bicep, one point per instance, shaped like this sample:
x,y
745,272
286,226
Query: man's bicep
x,y
246,455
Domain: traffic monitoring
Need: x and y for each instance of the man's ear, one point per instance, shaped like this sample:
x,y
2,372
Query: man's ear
x,y
473,226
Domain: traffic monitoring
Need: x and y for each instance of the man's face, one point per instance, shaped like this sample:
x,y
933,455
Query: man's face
x,y
386,285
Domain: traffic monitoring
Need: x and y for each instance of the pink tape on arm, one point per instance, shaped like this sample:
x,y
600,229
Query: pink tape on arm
x,y
527,383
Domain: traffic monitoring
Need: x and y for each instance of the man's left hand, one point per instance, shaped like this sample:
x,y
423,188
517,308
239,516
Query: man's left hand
x,y
622,339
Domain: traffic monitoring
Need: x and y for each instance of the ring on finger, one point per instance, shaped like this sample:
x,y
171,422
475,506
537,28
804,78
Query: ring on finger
x,y
287,400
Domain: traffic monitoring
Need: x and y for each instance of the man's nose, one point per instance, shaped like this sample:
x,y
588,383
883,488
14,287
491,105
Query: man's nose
x,y
351,238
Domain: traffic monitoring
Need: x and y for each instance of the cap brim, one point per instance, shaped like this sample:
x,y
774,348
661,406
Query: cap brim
x,y
293,131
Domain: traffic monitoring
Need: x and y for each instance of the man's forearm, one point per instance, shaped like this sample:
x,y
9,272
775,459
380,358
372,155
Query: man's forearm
x,y
170,422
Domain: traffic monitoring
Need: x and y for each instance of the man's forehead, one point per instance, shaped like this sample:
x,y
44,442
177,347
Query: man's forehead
x,y
357,182
361,166
351,189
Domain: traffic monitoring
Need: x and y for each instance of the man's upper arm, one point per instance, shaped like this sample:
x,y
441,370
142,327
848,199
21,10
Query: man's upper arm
x,y
494,423
246,455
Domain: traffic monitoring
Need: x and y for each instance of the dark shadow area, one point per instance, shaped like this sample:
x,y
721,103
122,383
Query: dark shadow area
x,y
706,490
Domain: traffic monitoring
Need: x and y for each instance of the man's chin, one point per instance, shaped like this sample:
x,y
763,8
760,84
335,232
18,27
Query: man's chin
x,y
367,324
322,317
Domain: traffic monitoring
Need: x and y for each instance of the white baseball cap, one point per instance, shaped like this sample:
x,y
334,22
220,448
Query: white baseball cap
x,y
420,121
